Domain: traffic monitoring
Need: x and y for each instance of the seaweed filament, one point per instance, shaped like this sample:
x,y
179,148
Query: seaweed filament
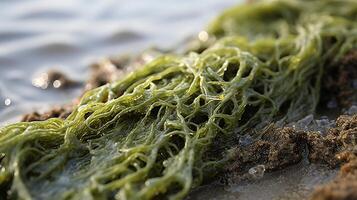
x,y
146,135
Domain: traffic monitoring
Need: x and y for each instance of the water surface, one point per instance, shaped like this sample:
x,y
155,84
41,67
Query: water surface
x,y
68,35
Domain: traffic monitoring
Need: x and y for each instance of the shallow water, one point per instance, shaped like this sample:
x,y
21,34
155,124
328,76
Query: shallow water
x,y
69,35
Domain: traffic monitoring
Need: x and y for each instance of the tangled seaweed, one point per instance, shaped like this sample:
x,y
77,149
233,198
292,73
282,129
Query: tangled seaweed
x,y
148,135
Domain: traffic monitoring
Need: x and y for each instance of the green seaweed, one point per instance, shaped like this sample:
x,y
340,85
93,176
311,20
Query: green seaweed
x,y
148,135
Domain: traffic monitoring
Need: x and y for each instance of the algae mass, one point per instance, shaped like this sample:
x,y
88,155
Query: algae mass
x,y
150,134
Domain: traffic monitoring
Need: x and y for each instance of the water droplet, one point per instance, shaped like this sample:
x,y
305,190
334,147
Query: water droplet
x,y
57,84
7,102
203,36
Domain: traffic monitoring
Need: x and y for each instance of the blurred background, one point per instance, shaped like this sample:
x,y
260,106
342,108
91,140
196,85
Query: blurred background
x,y
67,36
